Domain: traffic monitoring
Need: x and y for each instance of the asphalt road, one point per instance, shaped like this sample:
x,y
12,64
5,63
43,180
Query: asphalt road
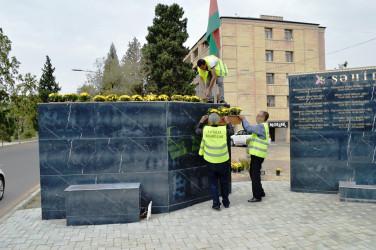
x,y
20,163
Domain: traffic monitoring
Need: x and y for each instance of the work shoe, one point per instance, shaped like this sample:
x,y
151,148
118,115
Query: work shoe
x,y
218,208
254,200
210,102
223,101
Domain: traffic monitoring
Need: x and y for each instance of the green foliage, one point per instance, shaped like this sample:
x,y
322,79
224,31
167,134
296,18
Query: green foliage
x,y
99,98
245,163
47,82
70,97
112,75
6,124
84,97
132,65
18,96
164,53
137,98
23,106
124,98
55,97
112,98
8,65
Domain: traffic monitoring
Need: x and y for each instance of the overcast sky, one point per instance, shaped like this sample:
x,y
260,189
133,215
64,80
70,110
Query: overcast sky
x,y
74,33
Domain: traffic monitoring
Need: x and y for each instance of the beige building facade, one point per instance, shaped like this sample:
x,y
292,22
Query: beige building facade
x,y
260,53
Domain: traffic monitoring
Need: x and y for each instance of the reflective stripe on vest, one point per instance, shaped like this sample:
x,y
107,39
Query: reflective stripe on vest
x,y
257,146
214,144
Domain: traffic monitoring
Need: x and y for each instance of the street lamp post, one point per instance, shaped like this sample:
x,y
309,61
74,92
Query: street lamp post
x,y
81,70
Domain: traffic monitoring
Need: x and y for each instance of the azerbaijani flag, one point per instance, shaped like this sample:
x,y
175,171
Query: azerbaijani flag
x,y
212,33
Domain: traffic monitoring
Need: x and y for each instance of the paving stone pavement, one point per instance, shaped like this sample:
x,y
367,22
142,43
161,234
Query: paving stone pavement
x,y
283,220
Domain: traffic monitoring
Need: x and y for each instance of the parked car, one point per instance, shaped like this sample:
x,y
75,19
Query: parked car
x,y
240,138
2,184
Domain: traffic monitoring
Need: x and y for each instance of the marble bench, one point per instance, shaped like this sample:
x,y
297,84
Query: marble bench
x,y
95,204
350,191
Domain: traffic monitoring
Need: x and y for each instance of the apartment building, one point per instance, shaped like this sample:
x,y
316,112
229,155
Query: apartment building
x,y
260,53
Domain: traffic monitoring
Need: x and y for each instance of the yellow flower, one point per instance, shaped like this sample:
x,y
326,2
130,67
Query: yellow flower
x,y
195,99
112,98
55,97
137,98
124,98
162,98
84,97
150,98
278,170
177,98
99,98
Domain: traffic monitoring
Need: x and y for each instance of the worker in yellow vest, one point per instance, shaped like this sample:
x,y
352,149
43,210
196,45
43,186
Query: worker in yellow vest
x,y
258,146
215,151
212,69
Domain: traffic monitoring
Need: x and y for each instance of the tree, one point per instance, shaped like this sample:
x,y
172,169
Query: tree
x,y
47,82
94,80
164,52
8,66
112,75
132,69
23,106
8,75
6,124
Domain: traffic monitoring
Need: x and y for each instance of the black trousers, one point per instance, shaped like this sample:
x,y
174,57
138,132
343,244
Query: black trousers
x,y
219,172
255,174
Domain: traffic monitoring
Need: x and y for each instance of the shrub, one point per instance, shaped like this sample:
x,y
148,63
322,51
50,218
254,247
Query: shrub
x,y
84,97
112,98
70,97
99,98
195,99
55,97
124,98
150,98
162,98
177,98
245,163
137,98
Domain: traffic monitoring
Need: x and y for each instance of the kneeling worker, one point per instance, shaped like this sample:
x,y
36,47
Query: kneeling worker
x,y
215,151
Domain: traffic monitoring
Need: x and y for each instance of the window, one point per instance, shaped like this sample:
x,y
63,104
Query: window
x,y
270,101
288,34
287,79
288,56
268,33
269,78
205,46
288,101
269,55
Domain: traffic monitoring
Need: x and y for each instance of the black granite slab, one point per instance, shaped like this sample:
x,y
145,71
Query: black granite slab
x,y
332,129
96,204
151,143
351,192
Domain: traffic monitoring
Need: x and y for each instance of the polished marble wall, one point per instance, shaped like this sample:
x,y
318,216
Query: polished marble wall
x,y
152,143
96,204
333,136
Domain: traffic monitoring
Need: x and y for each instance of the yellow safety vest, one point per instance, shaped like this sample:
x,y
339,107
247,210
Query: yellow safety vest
x,y
214,144
257,146
220,68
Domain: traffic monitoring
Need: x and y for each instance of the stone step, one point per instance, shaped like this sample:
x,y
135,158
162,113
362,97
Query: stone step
x,y
350,192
